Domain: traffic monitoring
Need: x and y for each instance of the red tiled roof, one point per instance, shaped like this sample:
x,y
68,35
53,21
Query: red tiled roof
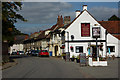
x,y
117,36
42,35
111,26
53,27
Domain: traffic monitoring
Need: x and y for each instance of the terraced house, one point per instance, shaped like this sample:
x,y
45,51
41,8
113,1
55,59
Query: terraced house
x,y
49,39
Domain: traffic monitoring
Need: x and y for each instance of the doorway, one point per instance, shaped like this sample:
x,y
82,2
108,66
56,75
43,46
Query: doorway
x,y
56,50
94,55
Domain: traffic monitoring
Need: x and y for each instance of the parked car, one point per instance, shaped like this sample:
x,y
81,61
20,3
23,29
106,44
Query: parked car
x,y
26,53
29,52
35,52
14,53
43,53
20,52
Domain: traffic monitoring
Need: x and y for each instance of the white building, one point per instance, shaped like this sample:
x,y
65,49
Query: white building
x,y
79,36
18,44
16,47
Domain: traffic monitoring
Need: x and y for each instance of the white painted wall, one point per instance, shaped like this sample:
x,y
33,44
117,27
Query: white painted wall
x,y
113,41
47,32
118,48
17,47
75,29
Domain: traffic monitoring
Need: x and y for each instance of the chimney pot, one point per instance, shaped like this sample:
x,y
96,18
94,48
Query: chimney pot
x,y
77,12
84,7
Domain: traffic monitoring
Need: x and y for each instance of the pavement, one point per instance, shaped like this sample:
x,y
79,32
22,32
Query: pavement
x,y
58,68
9,64
110,71
12,62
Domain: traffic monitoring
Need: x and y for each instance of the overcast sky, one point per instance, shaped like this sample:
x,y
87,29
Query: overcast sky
x,y
42,15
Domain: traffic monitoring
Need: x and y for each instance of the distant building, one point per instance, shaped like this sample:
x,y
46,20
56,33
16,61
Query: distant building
x,y
18,43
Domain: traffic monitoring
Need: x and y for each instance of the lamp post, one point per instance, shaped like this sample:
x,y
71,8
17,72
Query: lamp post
x,y
96,34
97,50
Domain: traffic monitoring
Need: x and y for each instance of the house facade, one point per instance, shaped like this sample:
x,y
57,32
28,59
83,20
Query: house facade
x,y
18,43
81,36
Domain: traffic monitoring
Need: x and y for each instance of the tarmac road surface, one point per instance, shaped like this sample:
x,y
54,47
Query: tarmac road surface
x,y
49,67
45,67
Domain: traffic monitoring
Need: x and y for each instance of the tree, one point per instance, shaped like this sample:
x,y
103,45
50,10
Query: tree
x,y
10,16
114,18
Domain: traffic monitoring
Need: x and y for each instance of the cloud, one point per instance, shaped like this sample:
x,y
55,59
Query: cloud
x,y
47,12
43,12
40,13
103,13
30,28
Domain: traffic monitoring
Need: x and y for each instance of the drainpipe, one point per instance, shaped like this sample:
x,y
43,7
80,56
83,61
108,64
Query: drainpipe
x,y
68,40
106,41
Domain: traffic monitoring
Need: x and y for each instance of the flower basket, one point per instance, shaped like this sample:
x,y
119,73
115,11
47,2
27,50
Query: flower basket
x,y
102,59
73,58
94,59
78,59
64,55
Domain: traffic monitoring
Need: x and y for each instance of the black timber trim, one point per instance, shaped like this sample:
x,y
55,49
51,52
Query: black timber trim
x,y
86,41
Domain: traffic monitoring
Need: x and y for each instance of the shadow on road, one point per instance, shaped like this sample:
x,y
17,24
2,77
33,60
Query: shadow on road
x,y
17,56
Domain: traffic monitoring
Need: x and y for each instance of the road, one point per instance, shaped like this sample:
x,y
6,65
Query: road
x,y
44,67
37,67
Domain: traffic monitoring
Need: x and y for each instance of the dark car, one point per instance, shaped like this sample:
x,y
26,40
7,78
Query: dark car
x,y
20,52
14,53
43,53
35,52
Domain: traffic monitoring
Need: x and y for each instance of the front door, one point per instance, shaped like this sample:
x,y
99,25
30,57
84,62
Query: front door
x,y
94,52
56,50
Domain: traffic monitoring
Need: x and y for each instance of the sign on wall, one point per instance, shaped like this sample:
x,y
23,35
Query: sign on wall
x,y
96,32
85,29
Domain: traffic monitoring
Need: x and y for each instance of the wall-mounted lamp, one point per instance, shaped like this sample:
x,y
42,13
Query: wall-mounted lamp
x,y
72,37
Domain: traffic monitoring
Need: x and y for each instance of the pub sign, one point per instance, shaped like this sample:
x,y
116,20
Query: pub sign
x,y
96,32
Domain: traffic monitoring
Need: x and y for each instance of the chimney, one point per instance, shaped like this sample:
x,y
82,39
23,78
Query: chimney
x,y
66,20
77,12
60,21
84,7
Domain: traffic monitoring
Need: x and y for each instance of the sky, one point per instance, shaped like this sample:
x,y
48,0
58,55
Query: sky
x,y
42,15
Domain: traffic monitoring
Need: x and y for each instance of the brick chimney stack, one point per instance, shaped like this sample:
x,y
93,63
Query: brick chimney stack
x,y
67,20
60,21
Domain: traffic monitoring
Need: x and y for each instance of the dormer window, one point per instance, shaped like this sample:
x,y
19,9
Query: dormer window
x,y
85,29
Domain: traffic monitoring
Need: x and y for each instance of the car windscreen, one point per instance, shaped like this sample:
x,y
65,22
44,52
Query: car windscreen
x,y
36,51
44,51
21,51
